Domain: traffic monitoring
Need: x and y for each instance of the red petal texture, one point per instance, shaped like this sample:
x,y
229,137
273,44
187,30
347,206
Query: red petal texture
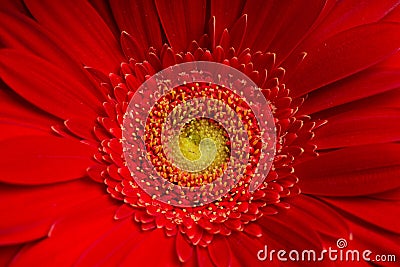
x,y
80,128
146,29
26,222
8,5
104,10
94,43
293,28
111,246
11,130
52,92
7,253
141,255
227,12
344,54
376,212
360,127
16,110
387,100
220,252
391,195
29,36
346,15
374,80
43,159
203,257
182,30
183,248
323,218
366,237
282,25
280,232
393,15
89,221
20,118
131,47
353,171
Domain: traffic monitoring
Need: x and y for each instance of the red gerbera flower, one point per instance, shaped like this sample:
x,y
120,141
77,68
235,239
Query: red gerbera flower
x,y
329,71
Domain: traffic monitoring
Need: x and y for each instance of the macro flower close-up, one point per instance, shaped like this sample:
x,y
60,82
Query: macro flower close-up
x,y
282,129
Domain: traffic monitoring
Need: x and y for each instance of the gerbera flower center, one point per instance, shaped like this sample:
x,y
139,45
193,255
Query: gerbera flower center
x,y
195,151
204,142
197,156
194,197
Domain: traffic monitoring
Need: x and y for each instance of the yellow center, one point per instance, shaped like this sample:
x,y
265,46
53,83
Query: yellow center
x,y
189,146
204,145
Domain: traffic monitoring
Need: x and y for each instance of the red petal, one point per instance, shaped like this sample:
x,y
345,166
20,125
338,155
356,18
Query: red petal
x,y
344,54
319,216
245,249
350,14
80,128
253,229
220,251
70,236
46,85
226,13
144,253
261,21
359,127
124,211
386,100
183,21
20,118
391,195
14,7
343,16
284,230
15,110
112,245
47,204
377,79
11,130
26,35
42,160
203,257
373,238
95,172
351,171
381,213
103,8
293,26
278,27
7,253
131,47
183,248
26,232
393,15
79,27
139,19
238,33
